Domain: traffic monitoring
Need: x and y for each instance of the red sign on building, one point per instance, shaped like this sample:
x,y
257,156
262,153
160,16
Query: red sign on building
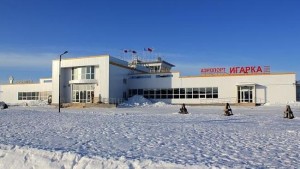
x,y
236,70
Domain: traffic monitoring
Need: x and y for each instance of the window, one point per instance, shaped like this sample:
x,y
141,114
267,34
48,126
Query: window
x,y
170,93
134,92
157,94
154,68
140,77
44,95
140,92
215,92
163,76
34,95
48,81
151,93
146,93
208,92
189,93
182,93
202,92
195,93
177,93
83,73
164,93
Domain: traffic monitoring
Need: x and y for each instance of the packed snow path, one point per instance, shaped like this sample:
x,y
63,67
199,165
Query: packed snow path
x,y
254,137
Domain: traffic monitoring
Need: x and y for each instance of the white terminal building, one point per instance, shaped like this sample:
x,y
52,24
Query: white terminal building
x,y
106,79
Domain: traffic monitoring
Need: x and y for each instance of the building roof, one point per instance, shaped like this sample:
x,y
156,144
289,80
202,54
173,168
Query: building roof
x,y
157,61
227,75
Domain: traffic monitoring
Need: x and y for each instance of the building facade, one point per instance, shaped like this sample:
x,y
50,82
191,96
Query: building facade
x,y
106,79
25,91
250,89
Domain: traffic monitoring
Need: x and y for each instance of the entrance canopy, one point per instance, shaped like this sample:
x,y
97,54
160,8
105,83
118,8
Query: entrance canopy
x,y
246,84
246,92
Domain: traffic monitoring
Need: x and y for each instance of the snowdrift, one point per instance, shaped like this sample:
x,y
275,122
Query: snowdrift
x,y
34,103
140,101
25,158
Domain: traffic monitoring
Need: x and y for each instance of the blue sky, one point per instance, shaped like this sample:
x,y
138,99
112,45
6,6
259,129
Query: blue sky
x,y
191,34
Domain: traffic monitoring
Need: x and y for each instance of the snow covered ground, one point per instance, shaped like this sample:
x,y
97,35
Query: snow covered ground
x,y
149,136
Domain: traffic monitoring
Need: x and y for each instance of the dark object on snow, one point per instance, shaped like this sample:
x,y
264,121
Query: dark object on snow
x,y
288,113
49,99
3,105
228,110
183,110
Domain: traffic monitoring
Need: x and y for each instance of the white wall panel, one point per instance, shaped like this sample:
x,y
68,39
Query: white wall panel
x,y
270,88
9,93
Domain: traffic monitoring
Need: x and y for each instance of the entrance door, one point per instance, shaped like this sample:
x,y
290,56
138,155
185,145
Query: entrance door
x,y
82,93
245,94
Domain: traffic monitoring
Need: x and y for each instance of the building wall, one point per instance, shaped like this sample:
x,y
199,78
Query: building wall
x,y
103,79
118,82
101,64
118,79
113,77
9,92
298,92
268,86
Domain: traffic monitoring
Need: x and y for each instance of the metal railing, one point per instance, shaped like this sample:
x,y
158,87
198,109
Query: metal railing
x,y
227,100
112,100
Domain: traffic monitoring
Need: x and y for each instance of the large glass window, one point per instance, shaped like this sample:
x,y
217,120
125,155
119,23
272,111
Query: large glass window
x,y
151,93
140,91
163,76
215,92
170,93
195,93
182,93
141,77
83,73
157,93
189,93
209,92
33,95
177,93
202,92
134,92
146,93
164,93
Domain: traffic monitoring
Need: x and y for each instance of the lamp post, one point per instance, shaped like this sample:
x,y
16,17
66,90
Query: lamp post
x,y
59,80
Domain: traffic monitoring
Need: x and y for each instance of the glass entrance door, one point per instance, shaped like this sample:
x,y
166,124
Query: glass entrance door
x,y
82,93
245,94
